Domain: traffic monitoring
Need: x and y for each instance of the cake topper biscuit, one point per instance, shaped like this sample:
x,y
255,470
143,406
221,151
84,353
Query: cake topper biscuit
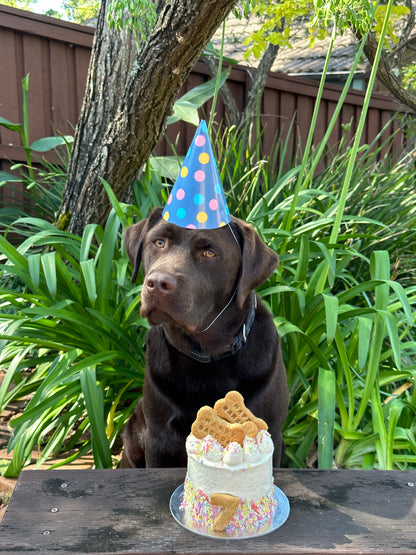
x,y
232,409
208,423
250,428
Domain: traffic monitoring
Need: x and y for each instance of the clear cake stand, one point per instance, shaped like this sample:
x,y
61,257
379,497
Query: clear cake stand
x,y
279,518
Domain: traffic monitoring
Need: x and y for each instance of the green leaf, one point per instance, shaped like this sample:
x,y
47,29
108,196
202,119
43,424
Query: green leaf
x,y
6,177
34,269
111,414
11,126
331,316
49,270
105,261
11,252
401,294
303,261
326,417
114,202
12,370
87,238
186,107
49,143
396,407
391,326
94,402
166,166
365,326
379,428
185,111
88,272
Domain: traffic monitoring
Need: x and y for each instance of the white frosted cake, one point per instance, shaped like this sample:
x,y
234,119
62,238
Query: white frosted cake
x,y
229,480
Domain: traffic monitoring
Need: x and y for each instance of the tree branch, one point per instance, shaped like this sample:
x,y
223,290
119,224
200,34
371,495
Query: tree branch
x,y
259,82
387,76
225,92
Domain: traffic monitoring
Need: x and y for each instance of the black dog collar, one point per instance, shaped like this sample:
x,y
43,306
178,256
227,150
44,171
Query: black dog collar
x,y
237,344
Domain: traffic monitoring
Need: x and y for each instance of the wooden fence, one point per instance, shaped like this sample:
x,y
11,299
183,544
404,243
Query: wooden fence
x,y
56,55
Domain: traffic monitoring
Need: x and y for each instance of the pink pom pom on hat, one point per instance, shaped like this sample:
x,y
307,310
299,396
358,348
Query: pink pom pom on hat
x,y
197,199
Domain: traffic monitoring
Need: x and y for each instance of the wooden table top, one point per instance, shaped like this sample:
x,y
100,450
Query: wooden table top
x,y
127,511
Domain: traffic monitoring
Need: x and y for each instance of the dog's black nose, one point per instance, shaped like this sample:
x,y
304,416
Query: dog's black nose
x,y
160,283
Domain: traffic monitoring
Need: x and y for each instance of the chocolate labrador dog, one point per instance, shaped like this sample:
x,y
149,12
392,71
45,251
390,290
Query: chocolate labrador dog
x,y
209,334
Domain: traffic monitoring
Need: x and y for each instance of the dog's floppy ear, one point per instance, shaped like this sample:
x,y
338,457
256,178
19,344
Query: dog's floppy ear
x,y
258,260
134,238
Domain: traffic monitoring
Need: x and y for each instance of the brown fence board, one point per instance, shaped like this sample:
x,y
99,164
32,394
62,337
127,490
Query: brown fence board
x,y
8,84
286,122
43,26
56,54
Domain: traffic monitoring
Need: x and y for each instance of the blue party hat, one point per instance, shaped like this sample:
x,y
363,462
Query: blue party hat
x,y
197,199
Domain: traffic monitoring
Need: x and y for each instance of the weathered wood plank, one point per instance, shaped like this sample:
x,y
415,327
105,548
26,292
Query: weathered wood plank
x,y
105,511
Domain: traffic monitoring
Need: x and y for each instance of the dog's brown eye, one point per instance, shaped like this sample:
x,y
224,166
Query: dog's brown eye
x,y
160,243
209,254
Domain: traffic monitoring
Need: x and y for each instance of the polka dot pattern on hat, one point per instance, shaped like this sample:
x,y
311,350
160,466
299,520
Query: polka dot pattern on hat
x,y
197,199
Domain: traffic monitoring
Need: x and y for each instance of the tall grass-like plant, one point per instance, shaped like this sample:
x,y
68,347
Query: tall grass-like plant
x,y
346,323
43,180
350,347
72,339
349,343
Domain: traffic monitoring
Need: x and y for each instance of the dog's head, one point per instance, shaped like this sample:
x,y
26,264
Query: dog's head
x,y
189,275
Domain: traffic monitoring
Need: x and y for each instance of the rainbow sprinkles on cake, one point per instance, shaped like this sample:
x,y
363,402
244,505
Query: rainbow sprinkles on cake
x,y
229,480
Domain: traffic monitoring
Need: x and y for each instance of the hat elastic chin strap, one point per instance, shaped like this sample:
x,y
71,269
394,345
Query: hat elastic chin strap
x,y
238,342
235,290
220,313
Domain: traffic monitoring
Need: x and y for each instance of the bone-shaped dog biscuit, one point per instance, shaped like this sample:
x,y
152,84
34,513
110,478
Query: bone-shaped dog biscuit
x,y
208,423
250,428
233,409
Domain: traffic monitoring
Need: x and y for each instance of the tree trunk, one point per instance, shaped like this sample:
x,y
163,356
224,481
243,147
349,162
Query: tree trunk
x,y
112,57
127,102
387,76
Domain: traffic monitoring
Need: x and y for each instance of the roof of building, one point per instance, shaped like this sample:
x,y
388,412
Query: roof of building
x,y
299,58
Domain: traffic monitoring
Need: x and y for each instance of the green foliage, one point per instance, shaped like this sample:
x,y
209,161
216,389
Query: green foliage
x,y
135,16
344,305
279,21
277,18
343,14
80,11
72,337
345,308
409,77
347,326
348,343
394,22
21,4
43,180
186,107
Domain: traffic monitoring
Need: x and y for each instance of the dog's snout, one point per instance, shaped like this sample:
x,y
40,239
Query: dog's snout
x,y
160,283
